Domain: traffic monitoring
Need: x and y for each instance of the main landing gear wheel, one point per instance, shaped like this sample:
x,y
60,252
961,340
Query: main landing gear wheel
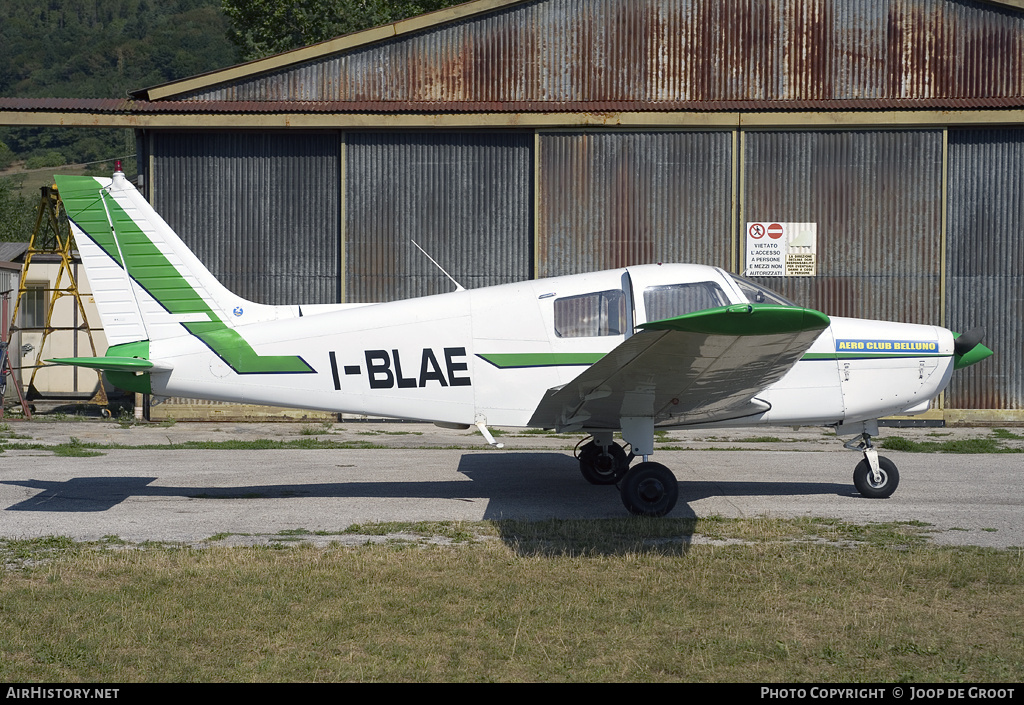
x,y
649,489
603,467
866,484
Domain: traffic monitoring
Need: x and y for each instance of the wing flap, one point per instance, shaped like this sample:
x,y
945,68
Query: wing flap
x,y
702,366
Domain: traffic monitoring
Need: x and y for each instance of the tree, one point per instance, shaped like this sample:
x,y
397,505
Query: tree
x,y
94,49
17,213
263,27
6,156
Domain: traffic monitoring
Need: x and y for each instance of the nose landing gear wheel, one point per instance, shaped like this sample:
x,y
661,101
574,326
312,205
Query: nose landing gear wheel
x,y
603,468
649,489
868,486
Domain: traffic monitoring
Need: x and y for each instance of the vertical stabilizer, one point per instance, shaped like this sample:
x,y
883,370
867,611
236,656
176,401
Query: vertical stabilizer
x,y
147,284
115,294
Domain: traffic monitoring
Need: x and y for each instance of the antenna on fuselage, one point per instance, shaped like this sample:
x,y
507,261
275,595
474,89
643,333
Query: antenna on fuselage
x,y
458,287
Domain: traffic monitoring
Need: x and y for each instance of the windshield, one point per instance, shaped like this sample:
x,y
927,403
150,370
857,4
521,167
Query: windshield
x,y
757,294
673,300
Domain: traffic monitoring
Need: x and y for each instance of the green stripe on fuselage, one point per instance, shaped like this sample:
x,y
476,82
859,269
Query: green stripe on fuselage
x,y
87,205
514,360
233,349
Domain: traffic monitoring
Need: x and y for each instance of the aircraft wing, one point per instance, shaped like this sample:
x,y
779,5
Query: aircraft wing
x,y
702,366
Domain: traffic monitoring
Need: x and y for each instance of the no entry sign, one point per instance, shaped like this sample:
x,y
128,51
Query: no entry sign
x,y
782,249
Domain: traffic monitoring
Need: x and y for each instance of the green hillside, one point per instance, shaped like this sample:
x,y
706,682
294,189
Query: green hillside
x,y
98,49
106,48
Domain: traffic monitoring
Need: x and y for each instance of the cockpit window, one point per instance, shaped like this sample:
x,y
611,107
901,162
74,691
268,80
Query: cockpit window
x,y
591,315
757,294
673,300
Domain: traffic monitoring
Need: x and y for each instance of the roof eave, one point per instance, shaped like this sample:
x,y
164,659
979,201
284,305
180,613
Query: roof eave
x,y
607,116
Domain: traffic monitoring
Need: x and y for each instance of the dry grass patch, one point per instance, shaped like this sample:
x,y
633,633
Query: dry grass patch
x,y
565,601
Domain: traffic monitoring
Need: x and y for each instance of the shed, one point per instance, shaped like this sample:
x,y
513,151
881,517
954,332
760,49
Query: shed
x,y
527,138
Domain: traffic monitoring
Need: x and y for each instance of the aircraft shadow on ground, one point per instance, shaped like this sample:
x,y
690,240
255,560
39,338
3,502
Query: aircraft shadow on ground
x,y
520,485
520,489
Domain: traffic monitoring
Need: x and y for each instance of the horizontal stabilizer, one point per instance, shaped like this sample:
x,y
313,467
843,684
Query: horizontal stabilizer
x,y
113,364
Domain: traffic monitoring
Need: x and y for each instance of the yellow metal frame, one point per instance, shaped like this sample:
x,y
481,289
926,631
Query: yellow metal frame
x,y
52,236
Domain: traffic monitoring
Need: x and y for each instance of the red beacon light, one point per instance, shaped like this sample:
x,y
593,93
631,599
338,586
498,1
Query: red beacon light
x,y
117,167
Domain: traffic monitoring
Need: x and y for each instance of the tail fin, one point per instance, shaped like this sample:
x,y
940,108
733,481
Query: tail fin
x,y
149,286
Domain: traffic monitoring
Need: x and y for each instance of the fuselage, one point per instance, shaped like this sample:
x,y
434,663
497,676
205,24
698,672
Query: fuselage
x,y
490,354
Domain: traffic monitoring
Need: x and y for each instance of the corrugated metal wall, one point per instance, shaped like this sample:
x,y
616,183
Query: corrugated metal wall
x,y
615,198
675,50
465,198
876,197
261,210
985,255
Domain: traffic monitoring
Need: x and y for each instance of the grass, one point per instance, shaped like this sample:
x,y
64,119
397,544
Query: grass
x,y
78,448
1006,435
317,437
313,441
7,433
321,428
32,180
621,600
966,446
75,448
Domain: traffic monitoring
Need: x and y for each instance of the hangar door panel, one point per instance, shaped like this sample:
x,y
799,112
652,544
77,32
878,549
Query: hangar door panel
x,y
616,198
464,197
985,278
876,197
261,210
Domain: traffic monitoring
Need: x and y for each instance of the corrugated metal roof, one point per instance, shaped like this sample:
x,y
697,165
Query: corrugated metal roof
x,y
566,56
140,107
712,49
654,53
10,251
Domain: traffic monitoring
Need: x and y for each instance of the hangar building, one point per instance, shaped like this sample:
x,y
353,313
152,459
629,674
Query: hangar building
x,y
529,138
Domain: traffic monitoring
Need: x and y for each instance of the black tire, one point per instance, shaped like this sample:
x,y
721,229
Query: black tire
x,y
603,468
866,485
649,489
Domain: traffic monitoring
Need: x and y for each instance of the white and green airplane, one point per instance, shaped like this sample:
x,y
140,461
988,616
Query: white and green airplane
x,y
628,350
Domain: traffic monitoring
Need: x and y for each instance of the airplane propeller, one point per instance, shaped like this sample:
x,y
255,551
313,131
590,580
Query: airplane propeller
x,y
966,342
968,348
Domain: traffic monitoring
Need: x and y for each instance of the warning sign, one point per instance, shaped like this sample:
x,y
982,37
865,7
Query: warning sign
x,y
782,249
800,265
